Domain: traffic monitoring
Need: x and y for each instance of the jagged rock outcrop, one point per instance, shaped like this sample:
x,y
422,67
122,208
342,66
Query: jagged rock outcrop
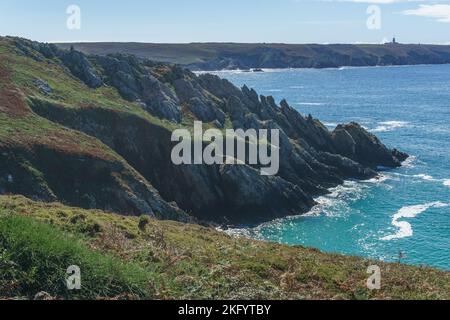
x,y
312,159
80,67
136,83
358,144
75,61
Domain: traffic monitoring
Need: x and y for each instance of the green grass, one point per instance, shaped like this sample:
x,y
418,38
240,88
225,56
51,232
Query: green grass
x,y
34,257
187,261
30,130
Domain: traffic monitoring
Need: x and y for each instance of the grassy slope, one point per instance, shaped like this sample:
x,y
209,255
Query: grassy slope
x,y
68,91
134,257
19,126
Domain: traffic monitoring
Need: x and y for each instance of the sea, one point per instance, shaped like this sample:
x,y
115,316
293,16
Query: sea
x,y
404,216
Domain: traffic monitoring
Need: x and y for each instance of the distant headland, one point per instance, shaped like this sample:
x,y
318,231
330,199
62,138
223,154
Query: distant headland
x,y
257,56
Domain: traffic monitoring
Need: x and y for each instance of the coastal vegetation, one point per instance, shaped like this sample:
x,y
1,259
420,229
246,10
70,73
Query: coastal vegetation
x,y
123,258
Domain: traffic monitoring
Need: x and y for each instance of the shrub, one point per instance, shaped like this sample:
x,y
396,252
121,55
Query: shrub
x,y
143,222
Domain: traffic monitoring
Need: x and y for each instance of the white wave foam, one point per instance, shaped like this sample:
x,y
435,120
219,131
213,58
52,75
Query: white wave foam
x,y
405,228
379,179
296,87
336,202
387,126
332,204
410,162
310,103
273,90
424,176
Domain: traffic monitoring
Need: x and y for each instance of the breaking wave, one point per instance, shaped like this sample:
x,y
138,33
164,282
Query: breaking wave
x,y
410,162
404,228
387,126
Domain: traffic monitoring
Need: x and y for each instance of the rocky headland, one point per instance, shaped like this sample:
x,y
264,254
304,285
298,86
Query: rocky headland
x,y
94,131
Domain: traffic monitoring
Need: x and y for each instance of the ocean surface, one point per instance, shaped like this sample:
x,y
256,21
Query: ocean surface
x,y
406,214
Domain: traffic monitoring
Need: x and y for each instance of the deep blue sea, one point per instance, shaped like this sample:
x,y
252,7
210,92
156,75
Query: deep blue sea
x,y
406,214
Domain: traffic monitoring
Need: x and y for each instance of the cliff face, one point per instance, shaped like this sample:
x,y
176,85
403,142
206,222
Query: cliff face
x,y
128,108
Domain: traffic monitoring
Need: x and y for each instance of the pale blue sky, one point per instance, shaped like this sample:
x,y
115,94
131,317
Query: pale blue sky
x,y
290,21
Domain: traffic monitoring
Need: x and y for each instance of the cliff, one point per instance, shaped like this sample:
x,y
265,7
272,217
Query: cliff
x,y
95,132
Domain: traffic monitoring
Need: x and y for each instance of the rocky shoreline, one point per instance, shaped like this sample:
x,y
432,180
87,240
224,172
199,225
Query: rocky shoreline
x,y
312,159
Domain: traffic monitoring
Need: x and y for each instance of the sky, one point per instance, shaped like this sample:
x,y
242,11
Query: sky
x,y
183,21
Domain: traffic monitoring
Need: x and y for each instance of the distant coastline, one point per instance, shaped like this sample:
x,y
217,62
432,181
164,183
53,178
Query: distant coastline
x,y
241,56
266,70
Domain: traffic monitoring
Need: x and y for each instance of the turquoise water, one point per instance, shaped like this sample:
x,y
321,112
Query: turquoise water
x,y
405,213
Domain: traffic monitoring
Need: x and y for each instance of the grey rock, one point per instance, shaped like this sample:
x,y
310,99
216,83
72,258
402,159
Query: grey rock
x,y
356,143
205,111
43,86
135,83
80,67
261,197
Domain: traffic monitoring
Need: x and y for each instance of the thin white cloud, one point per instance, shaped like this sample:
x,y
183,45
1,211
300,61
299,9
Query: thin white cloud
x,y
372,1
440,12
377,1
